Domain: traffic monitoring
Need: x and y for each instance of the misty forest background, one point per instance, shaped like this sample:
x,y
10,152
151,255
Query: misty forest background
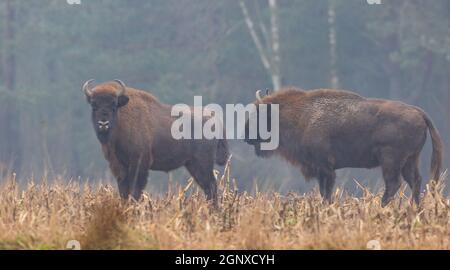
x,y
222,50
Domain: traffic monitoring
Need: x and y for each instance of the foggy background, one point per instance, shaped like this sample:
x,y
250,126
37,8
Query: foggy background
x,y
222,50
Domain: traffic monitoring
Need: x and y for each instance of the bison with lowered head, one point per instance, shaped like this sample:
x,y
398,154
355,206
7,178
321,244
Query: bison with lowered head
x,y
324,130
134,129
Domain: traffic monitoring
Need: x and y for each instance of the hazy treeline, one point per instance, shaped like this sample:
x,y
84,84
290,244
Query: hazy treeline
x,y
222,50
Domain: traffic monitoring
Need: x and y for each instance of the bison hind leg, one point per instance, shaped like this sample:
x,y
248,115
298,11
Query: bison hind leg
x,y
392,183
202,172
391,164
412,176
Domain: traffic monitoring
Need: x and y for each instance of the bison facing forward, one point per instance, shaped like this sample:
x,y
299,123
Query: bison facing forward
x,y
134,129
324,130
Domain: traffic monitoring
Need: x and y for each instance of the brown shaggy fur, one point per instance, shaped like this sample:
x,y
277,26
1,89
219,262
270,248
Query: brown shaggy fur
x,y
139,139
324,130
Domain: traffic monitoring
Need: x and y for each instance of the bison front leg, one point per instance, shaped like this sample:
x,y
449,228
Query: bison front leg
x,y
141,182
124,188
326,180
120,173
136,180
119,170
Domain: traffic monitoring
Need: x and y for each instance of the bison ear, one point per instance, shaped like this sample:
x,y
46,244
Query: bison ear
x,y
122,100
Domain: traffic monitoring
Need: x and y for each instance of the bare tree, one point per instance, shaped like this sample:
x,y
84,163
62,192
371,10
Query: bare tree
x,y
269,52
9,68
334,78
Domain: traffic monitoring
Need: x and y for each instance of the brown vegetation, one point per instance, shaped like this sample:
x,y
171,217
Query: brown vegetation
x,y
46,216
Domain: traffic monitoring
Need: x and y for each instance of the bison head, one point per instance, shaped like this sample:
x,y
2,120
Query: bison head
x,y
105,104
253,131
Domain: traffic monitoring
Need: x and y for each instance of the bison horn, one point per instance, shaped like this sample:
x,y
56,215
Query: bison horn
x,y
122,91
258,96
86,89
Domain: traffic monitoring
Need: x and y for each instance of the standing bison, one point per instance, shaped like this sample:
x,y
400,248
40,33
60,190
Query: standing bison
x,y
325,130
134,129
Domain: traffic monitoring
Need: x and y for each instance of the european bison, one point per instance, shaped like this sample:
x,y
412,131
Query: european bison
x,y
324,130
134,129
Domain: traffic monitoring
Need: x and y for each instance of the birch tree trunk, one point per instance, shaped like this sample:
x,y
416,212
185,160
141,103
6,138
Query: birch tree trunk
x,y
275,38
9,68
269,54
255,37
334,78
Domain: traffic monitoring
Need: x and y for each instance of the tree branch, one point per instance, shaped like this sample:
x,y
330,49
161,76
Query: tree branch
x,y
256,40
276,60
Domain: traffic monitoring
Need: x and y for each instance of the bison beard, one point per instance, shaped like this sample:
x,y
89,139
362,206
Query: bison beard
x,y
324,130
134,129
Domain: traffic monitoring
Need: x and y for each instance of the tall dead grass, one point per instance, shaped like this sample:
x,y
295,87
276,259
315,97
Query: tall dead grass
x,y
46,216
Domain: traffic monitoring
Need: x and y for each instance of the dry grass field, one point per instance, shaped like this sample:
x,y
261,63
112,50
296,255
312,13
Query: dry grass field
x,y
46,216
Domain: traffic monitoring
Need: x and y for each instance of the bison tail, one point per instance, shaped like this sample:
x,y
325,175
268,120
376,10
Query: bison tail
x,y
222,153
436,156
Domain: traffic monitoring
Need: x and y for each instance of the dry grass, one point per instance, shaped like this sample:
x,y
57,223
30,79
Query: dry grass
x,y
46,216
